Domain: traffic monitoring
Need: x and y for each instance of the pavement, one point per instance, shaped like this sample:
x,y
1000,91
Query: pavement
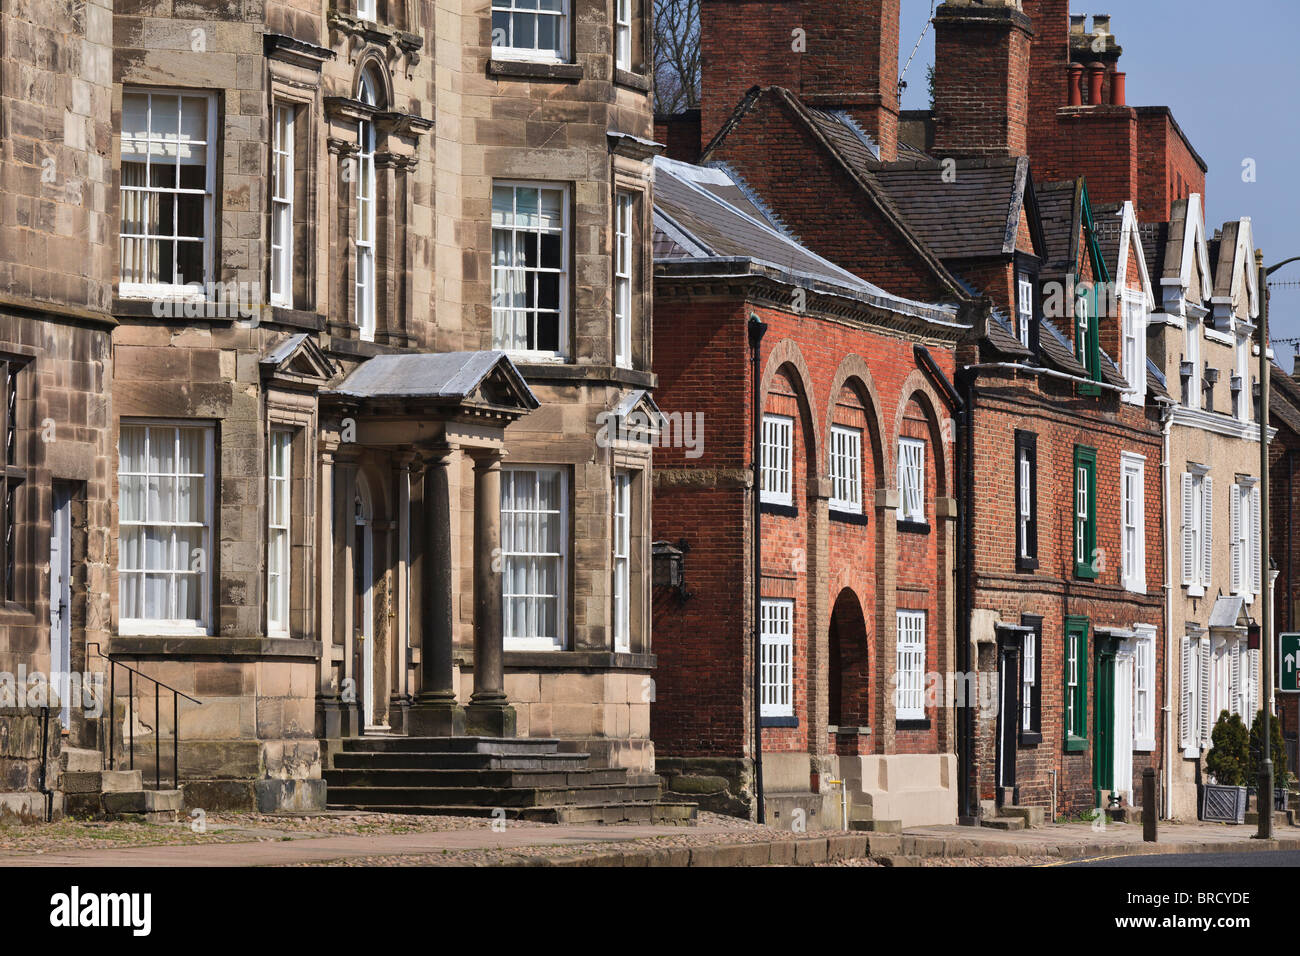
x,y
704,845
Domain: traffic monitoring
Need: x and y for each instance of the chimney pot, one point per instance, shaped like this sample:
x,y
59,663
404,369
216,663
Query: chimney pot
x,y
1076,84
1101,23
1078,24
1117,91
1096,76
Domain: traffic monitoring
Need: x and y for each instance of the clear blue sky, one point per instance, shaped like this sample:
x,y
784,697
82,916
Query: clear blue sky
x,y
1231,74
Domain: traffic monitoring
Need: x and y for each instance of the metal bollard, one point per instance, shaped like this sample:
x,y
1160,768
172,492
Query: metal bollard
x,y
1149,821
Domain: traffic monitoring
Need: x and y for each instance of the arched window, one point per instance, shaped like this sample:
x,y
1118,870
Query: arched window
x,y
365,241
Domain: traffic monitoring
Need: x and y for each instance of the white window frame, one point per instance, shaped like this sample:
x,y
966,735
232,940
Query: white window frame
x,y
846,469
282,186
366,259
279,528
1134,346
511,555
911,480
777,460
1028,679
1244,411
1025,480
366,10
1194,359
505,314
623,35
909,693
777,662
624,229
506,50
1144,688
1024,307
1133,549
1197,530
1081,514
622,585
1244,521
171,626
192,287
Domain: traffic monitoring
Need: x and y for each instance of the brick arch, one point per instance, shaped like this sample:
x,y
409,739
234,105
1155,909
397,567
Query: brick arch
x,y
850,662
855,373
916,387
787,357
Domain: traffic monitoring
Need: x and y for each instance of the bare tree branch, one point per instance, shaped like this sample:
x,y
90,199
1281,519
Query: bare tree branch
x,y
677,55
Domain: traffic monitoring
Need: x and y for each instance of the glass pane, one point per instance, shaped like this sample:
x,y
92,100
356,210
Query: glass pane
x,y
155,597
157,549
188,603
164,116
131,498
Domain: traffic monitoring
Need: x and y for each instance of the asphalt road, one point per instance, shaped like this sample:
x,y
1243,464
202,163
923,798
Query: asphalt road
x,y
1200,860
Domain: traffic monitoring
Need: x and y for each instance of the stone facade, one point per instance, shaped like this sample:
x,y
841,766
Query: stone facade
x,y
267,197
55,324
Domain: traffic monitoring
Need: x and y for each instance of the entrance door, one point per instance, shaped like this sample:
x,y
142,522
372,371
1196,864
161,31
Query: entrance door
x,y
363,601
1103,760
1123,723
1008,711
61,600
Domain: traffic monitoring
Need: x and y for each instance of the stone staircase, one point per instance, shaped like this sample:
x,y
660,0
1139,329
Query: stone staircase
x,y
510,778
89,791
1009,817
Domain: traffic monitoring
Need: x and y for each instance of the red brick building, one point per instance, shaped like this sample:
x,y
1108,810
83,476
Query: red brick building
x,y
857,525
1060,545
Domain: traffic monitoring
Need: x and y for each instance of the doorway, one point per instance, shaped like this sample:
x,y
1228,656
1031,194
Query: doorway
x,y
1103,759
1008,713
1122,729
61,599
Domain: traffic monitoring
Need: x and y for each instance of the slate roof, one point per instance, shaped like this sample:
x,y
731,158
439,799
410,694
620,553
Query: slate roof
x,y
1285,403
451,376
1058,207
709,214
977,215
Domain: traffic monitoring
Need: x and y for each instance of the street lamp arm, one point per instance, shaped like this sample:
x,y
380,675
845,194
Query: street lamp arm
x,y
1271,269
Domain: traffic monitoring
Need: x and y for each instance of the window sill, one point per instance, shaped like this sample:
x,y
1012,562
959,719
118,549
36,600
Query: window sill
x,y
922,724
1026,565
577,660
781,511
297,318
913,527
1030,738
779,721
632,80
168,645
1076,745
851,517
534,69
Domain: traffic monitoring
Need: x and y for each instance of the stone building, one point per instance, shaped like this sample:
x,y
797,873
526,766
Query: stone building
x,y
56,320
378,279
1203,338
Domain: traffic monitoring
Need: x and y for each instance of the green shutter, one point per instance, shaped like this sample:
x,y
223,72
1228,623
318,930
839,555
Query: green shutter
x,y
1076,731
1085,480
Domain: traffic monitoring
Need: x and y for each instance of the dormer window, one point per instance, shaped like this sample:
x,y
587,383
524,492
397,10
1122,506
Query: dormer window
x,y
1134,347
1024,306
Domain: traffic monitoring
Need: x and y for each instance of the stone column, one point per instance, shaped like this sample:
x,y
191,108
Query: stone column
x,y
886,617
435,712
344,586
489,713
327,691
404,470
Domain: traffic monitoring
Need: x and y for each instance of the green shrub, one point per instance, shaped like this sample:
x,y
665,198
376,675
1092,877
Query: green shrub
x,y
1257,750
1229,751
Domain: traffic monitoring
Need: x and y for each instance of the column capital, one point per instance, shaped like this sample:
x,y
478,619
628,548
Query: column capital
x,y
486,459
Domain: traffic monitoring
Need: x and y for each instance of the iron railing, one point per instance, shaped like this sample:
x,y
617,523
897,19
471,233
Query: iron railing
x,y
158,688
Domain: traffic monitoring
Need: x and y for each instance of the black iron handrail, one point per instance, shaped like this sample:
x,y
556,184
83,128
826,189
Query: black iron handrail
x,y
158,687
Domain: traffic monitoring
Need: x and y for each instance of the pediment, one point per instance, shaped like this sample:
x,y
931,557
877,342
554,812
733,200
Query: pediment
x,y
298,360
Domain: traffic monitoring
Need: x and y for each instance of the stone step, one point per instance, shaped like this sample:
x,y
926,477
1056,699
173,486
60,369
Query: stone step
x,y
1003,823
478,745
676,814
143,801
425,777
422,760
632,812
101,781
1033,816
489,796
79,759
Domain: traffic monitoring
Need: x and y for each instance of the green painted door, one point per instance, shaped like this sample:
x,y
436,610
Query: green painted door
x,y
1103,744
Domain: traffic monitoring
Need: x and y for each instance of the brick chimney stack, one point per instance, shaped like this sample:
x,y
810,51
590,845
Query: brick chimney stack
x,y
835,54
981,78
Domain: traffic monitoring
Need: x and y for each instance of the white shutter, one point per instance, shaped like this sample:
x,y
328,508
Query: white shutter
x,y
1255,540
1235,702
1255,702
1207,529
1234,531
1206,666
1185,715
1189,539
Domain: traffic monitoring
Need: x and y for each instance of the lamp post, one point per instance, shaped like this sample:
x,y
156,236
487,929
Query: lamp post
x,y
1264,801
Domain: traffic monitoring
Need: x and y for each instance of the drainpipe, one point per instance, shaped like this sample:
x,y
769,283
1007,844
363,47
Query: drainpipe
x,y
45,789
1167,745
757,329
